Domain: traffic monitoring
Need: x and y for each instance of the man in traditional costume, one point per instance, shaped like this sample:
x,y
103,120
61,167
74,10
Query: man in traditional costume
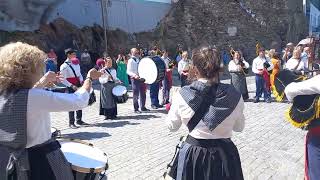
x,y
260,65
138,86
73,79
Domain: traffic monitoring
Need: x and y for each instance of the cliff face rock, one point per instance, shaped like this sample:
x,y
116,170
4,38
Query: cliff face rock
x,y
61,34
233,22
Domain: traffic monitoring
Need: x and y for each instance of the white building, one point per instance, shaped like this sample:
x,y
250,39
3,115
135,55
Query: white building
x,y
128,15
312,11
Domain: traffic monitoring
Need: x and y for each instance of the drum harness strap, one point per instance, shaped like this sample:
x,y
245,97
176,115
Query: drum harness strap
x,y
74,73
107,70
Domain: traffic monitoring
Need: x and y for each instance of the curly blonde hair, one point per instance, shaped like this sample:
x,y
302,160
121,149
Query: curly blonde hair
x,y
20,65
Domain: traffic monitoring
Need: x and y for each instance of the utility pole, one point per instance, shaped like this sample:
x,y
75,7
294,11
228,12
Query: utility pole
x,y
104,22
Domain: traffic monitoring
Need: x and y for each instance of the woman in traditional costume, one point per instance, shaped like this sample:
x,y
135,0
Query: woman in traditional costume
x,y
122,70
25,114
275,60
108,104
211,110
238,68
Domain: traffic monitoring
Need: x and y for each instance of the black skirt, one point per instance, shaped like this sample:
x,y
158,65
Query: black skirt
x,y
207,159
110,113
46,162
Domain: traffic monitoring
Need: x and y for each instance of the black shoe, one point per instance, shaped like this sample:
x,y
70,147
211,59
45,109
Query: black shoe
x,y
145,109
114,117
159,106
106,118
154,107
256,101
137,112
73,126
81,123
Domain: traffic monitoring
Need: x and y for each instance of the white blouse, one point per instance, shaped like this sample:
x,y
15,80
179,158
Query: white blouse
x,y
292,63
41,103
105,77
181,113
183,65
258,64
67,72
233,67
307,87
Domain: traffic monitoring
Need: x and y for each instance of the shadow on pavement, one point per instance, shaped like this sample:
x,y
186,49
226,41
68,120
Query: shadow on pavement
x,y
115,124
138,117
87,135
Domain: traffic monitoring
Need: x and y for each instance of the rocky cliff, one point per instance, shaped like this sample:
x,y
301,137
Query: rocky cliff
x,y
61,34
240,23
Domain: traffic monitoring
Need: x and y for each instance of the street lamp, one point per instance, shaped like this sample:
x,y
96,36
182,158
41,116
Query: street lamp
x,y
104,22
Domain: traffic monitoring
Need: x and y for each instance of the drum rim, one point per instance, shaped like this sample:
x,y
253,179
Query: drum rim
x,y
82,169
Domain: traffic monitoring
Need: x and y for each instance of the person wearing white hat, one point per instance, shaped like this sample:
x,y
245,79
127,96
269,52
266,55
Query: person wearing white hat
x,y
287,53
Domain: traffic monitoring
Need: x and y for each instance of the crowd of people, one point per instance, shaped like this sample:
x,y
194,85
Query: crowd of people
x,y
123,70
265,67
211,110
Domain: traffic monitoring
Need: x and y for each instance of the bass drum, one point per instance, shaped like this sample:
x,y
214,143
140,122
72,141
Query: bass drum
x,y
152,69
87,161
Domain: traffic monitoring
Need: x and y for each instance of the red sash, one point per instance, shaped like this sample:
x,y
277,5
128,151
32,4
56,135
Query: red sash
x,y
266,78
74,81
169,77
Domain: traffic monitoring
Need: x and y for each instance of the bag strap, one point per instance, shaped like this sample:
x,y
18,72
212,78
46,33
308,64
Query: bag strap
x,y
297,64
204,107
74,72
110,74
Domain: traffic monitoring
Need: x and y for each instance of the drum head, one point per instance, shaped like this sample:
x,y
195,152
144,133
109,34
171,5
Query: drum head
x,y
83,156
148,70
119,90
53,130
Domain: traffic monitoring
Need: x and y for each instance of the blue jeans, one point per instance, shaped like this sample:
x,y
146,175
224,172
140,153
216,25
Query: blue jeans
x,y
261,88
154,94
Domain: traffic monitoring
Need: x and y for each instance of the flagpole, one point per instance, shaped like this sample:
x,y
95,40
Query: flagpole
x,y
104,23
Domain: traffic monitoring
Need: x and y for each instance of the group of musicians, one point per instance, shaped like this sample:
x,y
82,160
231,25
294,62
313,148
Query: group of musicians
x,y
27,62
291,75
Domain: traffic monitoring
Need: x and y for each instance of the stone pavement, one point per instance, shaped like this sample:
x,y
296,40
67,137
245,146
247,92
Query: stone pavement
x,y
140,146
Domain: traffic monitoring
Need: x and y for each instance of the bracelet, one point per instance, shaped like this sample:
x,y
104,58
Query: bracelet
x,y
89,78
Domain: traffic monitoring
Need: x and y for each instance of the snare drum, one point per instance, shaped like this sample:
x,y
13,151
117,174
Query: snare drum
x,y
55,133
87,161
58,88
120,93
152,69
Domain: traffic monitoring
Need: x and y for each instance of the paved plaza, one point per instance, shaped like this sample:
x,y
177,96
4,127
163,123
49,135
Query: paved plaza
x,y
140,146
